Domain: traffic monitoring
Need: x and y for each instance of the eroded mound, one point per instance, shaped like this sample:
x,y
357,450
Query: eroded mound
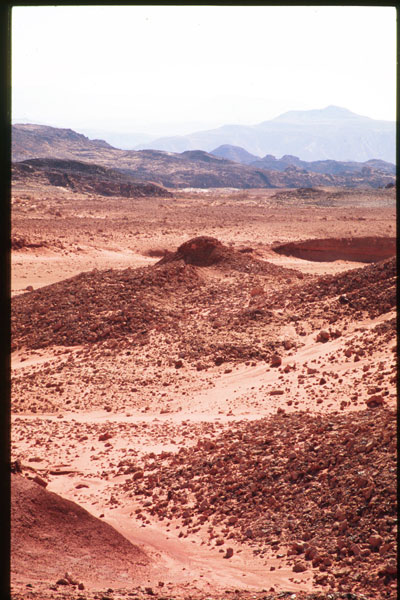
x,y
205,251
201,251
323,486
51,535
123,307
360,249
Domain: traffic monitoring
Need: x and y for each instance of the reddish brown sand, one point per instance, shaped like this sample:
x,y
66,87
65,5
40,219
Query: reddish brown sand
x,y
173,367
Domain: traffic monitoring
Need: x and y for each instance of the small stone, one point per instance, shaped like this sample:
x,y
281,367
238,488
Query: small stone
x,y
62,581
276,361
374,401
311,552
298,547
16,466
299,567
37,479
218,361
178,364
149,591
228,553
323,336
70,579
340,514
355,549
375,540
81,586
257,291
391,568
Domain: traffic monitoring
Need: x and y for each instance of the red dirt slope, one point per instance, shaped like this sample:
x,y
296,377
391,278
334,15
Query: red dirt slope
x,y
51,536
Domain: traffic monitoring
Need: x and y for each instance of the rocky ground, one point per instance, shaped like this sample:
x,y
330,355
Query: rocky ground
x,y
229,410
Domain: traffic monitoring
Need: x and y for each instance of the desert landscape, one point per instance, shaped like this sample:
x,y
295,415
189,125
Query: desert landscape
x,y
203,389
202,302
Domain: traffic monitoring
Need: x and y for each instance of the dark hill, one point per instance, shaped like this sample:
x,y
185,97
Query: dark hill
x,y
84,177
26,138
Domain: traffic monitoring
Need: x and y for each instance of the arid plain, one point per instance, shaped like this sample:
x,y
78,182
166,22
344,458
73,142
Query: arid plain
x,y
212,376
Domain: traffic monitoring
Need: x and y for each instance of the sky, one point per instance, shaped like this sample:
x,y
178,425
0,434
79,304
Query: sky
x,y
167,70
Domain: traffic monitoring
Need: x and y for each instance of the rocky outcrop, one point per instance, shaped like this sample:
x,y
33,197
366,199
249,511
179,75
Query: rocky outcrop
x,y
201,251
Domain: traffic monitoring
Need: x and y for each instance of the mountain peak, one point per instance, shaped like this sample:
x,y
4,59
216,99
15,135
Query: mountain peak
x,y
327,114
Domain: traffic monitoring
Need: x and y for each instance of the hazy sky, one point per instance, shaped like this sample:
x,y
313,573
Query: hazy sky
x,y
170,69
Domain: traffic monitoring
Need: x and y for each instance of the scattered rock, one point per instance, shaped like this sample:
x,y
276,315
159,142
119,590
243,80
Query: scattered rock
x,y
299,567
276,361
40,481
374,401
375,540
323,336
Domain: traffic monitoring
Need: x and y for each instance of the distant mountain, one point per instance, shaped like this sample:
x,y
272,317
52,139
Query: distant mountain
x,y
235,153
193,168
124,141
331,133
331,167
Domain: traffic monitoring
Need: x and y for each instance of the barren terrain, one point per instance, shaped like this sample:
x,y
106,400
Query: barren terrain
x,y
226,408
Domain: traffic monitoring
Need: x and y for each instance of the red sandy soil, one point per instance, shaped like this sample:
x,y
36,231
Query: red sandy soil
x,y
233,419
